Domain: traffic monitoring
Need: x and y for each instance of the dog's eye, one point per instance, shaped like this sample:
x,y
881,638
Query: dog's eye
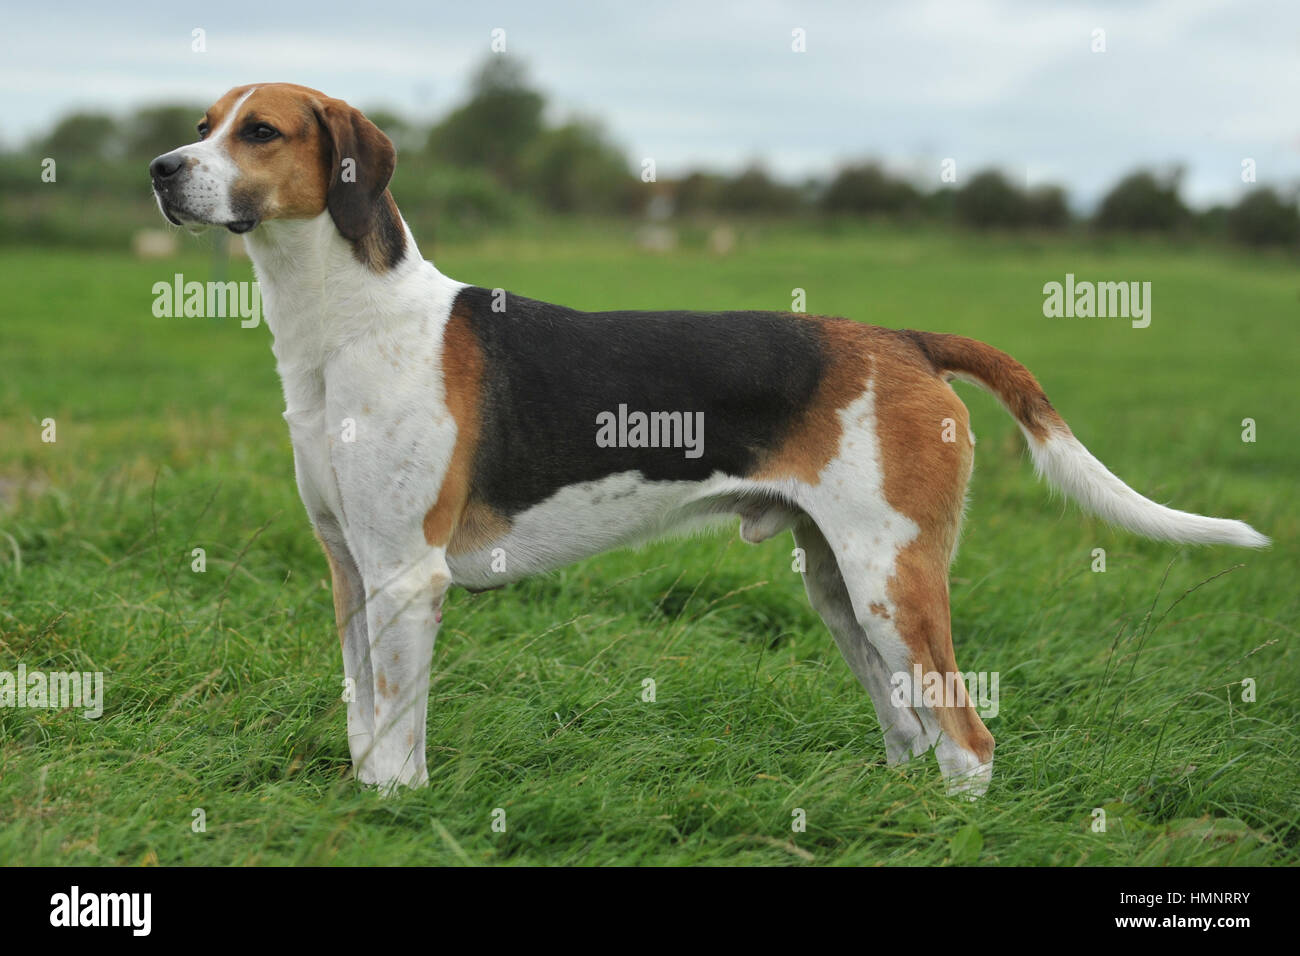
x,y
203,129
262,133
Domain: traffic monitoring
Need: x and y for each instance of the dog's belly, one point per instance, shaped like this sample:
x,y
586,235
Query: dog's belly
x,y
585,519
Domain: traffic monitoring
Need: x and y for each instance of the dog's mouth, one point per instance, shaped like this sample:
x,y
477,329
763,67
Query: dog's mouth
x,y
178,217
168,214
174,214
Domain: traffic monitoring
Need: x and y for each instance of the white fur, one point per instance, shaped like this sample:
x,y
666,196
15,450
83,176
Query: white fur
x,y
588,518
362,352
1070,467
1065,463
204,194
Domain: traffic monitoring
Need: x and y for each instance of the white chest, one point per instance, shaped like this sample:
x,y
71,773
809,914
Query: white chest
x,y
360,362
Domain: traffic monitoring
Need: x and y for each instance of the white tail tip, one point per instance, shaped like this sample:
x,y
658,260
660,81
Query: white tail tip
x,y
1066,464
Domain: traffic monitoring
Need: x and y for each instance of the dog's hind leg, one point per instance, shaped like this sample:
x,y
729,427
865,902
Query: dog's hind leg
x,y
890,508
905,737
892,626
913,632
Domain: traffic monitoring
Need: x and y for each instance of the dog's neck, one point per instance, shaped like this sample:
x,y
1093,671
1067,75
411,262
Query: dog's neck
x,y
317,298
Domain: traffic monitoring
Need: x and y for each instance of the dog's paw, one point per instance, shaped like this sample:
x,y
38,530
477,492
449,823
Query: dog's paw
x,y
965,773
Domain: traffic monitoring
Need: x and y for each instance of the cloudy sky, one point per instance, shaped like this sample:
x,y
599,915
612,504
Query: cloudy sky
x,y
1013,83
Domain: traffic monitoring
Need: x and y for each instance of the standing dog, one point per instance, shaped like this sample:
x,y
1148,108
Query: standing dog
x,y
493,436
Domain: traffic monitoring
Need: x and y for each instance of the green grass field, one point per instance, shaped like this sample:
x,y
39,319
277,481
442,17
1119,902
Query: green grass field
x,y
1120,690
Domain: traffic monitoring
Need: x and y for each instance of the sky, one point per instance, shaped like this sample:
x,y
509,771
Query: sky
x,y
1016,84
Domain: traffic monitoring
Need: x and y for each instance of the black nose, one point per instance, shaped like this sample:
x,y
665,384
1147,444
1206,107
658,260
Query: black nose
x,y
165,166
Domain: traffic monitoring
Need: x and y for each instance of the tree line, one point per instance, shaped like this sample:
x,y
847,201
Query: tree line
x,y
495,159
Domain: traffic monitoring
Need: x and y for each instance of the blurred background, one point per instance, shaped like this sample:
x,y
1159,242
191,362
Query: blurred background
x,y
689,120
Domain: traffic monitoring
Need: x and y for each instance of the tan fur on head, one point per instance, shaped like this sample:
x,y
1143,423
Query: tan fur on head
x,y
325,155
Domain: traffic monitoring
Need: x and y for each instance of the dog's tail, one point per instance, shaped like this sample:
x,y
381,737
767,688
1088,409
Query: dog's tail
x,y
1062,459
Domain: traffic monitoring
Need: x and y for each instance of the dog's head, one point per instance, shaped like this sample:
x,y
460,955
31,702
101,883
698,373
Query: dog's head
x,y
281,151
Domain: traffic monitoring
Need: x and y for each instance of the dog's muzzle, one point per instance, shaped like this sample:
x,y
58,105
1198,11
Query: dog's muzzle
x,y
164,171
167,174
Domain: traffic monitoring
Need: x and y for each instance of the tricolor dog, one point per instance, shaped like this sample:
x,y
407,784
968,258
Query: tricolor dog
x,y
495,437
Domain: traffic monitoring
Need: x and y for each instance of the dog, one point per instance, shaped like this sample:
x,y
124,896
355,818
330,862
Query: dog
x,y
445,434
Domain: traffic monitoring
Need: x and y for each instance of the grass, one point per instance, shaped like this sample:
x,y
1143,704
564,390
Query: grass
x,y
1120,690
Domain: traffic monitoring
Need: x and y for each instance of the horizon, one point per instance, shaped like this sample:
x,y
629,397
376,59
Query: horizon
x,y
995,84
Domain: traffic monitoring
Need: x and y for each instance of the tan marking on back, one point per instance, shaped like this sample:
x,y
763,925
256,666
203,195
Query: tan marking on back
x,y
814,437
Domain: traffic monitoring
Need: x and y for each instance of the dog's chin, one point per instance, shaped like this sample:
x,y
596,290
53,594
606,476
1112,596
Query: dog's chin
x,y
178,217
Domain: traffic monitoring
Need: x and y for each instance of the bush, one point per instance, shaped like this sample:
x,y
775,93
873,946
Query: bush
x,y
492,130
1046,208
699,193
1213,222
989,201
574,169
95,136
755,192
868,190
443,200
1141,202
1262,218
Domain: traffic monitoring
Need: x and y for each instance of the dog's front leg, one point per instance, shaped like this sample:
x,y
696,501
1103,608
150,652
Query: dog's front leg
x,y
403,612
354,638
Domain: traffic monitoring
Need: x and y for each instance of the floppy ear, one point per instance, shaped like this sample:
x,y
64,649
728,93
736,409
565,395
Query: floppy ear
x,y
361,164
